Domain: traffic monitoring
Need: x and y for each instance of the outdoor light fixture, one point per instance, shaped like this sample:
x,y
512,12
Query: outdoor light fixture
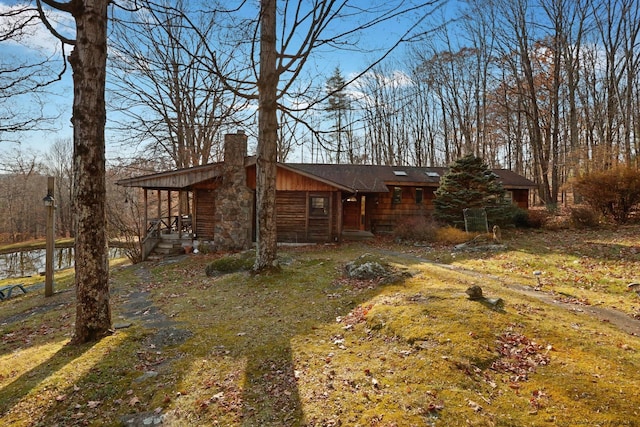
x,y
48,200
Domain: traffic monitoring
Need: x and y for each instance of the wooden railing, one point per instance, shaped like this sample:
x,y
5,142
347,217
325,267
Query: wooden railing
x,y
168,225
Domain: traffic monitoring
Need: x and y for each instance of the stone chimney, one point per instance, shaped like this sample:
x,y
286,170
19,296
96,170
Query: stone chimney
x,y
234,200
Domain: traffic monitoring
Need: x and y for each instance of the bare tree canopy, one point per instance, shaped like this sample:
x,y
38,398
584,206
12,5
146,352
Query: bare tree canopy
x,y
163,88
25,80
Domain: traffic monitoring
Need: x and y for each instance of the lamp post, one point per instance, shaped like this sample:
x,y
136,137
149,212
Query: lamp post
x,y
50,203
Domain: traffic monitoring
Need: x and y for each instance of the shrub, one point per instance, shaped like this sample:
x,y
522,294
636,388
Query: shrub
x,y
451,235
230,264
613,192
419,228
521,218
505,216
584,217
537,218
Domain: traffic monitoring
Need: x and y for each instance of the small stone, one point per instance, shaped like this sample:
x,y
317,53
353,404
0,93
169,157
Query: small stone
x,y
122,325
474,292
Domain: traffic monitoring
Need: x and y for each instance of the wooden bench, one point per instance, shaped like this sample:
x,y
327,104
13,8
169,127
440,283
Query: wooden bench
x,y
5,291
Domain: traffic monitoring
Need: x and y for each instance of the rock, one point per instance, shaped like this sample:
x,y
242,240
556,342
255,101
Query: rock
x,y
634,287
474,292
496,303
367,267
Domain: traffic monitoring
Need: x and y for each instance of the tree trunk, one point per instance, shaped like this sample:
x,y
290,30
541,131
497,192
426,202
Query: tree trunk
x,y
88,61
266,253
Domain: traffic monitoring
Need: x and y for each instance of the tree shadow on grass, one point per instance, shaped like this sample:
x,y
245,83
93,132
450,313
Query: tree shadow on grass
x,y
244,368
272,318
18,389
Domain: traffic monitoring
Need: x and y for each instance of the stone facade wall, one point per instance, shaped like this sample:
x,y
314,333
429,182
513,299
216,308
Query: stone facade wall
x,y
234,200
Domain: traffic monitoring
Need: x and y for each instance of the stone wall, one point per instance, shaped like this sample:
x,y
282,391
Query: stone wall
x,y
234,200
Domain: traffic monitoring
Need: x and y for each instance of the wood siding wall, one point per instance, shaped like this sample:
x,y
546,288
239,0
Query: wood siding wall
x,y
205,209
291,216
384,214
294,222
289,181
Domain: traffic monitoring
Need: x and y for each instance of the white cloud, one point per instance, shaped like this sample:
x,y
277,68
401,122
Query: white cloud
x,y
34,36
373,81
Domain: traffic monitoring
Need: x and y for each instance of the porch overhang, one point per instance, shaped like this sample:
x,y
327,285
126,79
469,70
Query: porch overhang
x,y
179,179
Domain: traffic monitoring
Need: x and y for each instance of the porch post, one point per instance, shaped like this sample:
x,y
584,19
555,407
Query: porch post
x,y
159,206
169,222
363,211
146,212
180,214
340,219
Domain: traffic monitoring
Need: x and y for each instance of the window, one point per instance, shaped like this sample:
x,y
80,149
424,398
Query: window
x,y
399,173
508,196
419,195
318,206
397,195
432,174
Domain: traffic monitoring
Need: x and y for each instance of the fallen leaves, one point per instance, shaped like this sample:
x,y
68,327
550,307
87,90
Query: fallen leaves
x,y
355,316
519,356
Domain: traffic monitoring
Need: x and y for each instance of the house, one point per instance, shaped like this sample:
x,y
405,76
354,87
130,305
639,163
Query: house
x,y
314,202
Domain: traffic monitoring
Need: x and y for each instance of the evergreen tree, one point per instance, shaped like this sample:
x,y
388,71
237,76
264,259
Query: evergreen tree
x,y
469,183
337,105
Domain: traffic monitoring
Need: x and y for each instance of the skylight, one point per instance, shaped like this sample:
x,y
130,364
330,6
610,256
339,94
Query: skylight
x,y
399,173
432,174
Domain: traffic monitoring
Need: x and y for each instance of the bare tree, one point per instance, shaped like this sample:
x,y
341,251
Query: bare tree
x,y
164,88
59,164
21,189
24,78
88,61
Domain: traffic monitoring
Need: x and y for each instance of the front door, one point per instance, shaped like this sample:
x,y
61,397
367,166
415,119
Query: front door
x,y
351,213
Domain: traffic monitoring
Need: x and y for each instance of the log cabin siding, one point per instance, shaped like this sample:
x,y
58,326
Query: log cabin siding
x,y
291,216
384,213
295,223
205,209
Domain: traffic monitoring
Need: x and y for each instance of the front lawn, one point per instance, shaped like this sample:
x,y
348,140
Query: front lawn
x,y
310,347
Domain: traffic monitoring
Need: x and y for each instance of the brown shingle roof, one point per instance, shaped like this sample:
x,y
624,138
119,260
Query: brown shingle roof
x,y
376,178
354,178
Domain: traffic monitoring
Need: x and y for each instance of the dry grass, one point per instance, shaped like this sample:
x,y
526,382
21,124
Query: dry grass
x,y
307,347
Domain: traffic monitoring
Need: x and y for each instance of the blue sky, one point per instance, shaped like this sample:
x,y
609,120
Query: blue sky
x,y
59,102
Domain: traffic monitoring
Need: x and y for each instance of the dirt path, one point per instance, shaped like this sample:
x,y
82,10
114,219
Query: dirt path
x,y
136,307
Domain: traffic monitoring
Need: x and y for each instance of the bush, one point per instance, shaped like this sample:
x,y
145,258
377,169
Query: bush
x,y
419,229
537,218
613,192
584,217
521,218
231,264
507,215
451,235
